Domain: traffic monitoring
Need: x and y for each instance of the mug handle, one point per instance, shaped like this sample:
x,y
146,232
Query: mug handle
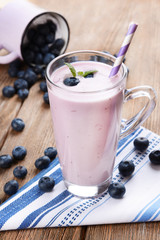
x,y
128,126
8,58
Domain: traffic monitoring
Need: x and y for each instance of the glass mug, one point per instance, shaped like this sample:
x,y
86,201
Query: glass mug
x,y
87,123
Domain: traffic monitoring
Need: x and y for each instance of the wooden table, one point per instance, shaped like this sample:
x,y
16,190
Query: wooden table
x,y
98,25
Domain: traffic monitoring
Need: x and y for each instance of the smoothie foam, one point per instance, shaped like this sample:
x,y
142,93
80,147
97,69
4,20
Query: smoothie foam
x,y
86,122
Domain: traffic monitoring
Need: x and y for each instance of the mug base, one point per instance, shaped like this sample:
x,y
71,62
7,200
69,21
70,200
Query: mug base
x,y
87,191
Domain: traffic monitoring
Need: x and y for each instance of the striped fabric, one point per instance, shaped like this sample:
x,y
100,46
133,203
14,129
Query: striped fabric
x,y
32,208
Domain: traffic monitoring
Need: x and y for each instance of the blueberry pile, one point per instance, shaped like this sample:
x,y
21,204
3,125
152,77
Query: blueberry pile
x,y
42,45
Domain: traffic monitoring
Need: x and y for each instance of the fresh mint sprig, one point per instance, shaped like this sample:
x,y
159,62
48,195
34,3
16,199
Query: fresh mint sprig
x,y
80,73
72,69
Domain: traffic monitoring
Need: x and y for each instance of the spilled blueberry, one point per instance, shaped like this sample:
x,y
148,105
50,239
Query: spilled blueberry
x,y
116,190
154,157
18,124
8,91
46,184
141,143
20,171
30,76
126,168
38,69
42,162
20,74
6,161
47,58
23,93
46,98
19,153
51,152
20,84
16,64
11,187
43,86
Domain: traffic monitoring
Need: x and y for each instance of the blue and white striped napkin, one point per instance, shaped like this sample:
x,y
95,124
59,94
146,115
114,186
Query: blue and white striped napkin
x,y
32,208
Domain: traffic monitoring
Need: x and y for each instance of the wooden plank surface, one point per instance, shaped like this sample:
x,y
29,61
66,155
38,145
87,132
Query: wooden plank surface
x,y
98,25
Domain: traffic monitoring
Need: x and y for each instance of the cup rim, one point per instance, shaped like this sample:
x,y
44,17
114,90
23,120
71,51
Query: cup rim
x,y
124,74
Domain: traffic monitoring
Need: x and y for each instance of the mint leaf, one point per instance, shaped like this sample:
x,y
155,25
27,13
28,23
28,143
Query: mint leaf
x,y
72,69
89,72
80,74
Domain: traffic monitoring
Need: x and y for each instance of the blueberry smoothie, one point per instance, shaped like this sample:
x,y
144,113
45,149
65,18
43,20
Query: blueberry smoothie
x,y
86,118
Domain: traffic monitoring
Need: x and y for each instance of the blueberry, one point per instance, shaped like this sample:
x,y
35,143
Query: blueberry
x,y
38,59
54,51
30,76
59,43
43,29
23,93
46,184
6,161
45,49
126,168
40,40
50,38
42,162
90,75
141,143
46,98
11,187
116,190
17,124
51,152
72,81
20,84
154,157
38,69
52,26
29,55
43,86
8,91
19,153
20,74
43,74
16,64
31,33
20,171
33,47
12,72
47,58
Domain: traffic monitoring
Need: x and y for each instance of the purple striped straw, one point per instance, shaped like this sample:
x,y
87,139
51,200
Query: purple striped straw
x,y
128,38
